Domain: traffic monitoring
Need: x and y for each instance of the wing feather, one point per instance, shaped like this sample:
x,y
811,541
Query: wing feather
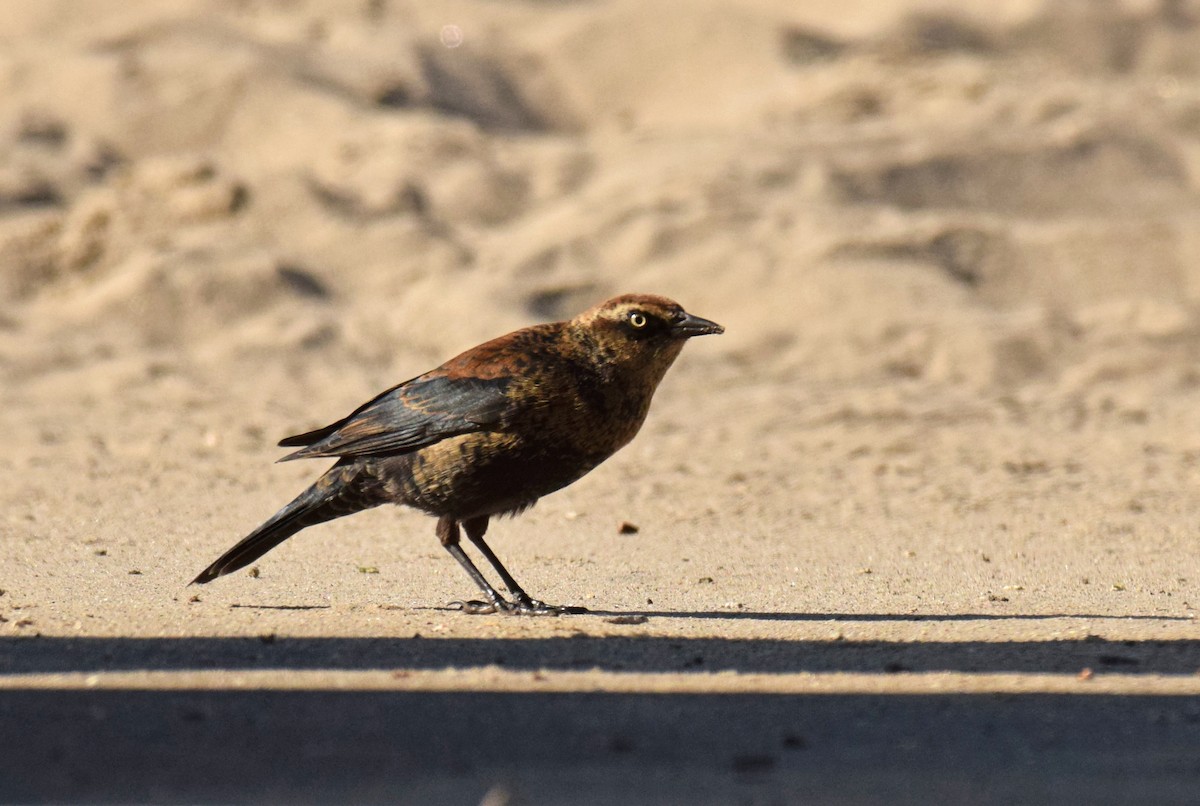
x,y
410,416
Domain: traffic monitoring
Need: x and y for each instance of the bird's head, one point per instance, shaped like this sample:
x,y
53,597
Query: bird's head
x,y
640,332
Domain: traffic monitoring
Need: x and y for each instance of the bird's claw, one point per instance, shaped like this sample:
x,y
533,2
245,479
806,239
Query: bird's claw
x,y
474,607
569,610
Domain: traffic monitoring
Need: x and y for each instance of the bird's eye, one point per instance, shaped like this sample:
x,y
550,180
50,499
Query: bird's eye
x,y
637,319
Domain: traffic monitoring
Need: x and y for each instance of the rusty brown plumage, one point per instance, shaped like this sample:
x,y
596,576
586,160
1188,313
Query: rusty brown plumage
x,y
489,432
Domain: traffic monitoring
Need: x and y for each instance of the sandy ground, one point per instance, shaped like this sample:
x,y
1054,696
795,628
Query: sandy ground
x,y
921,526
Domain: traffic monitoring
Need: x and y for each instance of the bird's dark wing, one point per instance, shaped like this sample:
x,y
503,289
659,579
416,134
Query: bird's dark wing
x,y
410,416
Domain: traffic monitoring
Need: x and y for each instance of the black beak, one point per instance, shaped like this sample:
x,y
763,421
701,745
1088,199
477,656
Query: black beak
x,y
690,326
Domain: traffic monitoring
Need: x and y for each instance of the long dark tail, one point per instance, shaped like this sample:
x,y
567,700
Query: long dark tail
x,y
343,490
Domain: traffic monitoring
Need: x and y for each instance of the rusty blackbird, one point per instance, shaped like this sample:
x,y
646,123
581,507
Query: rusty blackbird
x,y
489,433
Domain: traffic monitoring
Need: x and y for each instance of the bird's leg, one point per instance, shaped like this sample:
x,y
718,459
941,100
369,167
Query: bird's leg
x,y
476,528
448,534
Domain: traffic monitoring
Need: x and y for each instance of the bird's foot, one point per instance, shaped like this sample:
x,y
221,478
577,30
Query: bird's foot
x,y
527,605
522,605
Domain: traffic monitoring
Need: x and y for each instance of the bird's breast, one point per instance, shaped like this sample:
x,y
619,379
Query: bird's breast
x,y
584,412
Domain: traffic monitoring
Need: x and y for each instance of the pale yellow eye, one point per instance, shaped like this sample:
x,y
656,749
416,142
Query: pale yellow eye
x,y
637,319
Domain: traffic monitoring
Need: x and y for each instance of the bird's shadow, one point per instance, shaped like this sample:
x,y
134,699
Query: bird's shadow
x,y
777,615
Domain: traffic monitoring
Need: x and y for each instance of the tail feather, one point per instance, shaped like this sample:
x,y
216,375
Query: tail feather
x,y
339,492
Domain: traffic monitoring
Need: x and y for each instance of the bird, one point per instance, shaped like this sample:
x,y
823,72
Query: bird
x,y
488,433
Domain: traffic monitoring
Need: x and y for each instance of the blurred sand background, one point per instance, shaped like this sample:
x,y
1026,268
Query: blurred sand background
x,y
945,459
